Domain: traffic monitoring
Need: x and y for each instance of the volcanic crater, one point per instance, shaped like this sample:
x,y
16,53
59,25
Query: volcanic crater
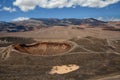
x,y
44,48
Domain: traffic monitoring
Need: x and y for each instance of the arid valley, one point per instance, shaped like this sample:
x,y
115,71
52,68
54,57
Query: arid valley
x,y
60,49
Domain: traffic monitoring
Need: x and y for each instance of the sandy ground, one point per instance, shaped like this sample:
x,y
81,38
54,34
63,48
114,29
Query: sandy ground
x,y
64,69
62,33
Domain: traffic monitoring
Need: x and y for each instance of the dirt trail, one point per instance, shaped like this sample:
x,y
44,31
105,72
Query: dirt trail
x,y
5,52
116,77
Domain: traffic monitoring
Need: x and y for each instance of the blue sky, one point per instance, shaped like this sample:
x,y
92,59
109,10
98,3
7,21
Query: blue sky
x,y
15,10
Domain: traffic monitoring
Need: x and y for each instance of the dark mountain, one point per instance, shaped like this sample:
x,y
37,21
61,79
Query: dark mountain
x,y
5,26
38,23
70,21
30,24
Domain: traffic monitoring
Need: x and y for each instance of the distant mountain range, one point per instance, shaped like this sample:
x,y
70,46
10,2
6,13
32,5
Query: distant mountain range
x,y
38,23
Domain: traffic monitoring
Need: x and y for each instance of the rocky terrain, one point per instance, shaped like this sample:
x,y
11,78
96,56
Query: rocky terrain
x,y
54,49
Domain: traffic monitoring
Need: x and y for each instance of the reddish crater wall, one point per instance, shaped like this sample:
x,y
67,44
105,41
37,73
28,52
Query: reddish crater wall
x,y
43,48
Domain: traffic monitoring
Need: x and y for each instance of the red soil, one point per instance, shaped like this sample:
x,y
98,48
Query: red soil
x,y
43,48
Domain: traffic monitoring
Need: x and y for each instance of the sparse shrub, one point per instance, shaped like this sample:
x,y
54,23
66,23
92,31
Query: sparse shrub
x,y
90,44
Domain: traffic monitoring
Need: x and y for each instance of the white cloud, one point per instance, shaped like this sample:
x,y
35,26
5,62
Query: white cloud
x,y
26,5
9,9
20,19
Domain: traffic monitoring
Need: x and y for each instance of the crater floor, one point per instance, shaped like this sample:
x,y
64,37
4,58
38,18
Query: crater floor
x,y
43,48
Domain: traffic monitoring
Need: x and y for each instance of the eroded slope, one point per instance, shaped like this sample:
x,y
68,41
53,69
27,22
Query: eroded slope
x,y
43,48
